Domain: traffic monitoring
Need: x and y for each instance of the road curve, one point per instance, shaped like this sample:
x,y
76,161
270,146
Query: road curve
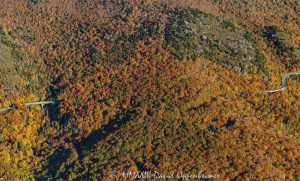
x,y
281,88
283,82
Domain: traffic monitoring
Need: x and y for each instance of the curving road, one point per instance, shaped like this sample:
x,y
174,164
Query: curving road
x,y
283,82
281,88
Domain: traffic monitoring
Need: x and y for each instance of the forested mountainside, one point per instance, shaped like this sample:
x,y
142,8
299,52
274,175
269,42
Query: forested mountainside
x,y
149,85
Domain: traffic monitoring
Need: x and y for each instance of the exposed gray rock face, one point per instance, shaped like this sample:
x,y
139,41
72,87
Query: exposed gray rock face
x,y
192,33
8,73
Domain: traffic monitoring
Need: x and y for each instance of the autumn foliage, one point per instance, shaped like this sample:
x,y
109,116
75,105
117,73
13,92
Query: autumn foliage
x,y
127,102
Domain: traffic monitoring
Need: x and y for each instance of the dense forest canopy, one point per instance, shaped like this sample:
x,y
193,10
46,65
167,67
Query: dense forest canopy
x,y
149,85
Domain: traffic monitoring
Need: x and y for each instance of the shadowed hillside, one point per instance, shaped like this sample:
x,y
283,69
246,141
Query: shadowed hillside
x,y
166,86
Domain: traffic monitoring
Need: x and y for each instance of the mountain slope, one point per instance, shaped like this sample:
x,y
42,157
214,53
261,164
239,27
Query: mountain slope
x,y
151,86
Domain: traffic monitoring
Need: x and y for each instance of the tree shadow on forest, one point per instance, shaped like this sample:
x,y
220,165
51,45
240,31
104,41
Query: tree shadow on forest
x,y
56,163
59,164
113,125
51,110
